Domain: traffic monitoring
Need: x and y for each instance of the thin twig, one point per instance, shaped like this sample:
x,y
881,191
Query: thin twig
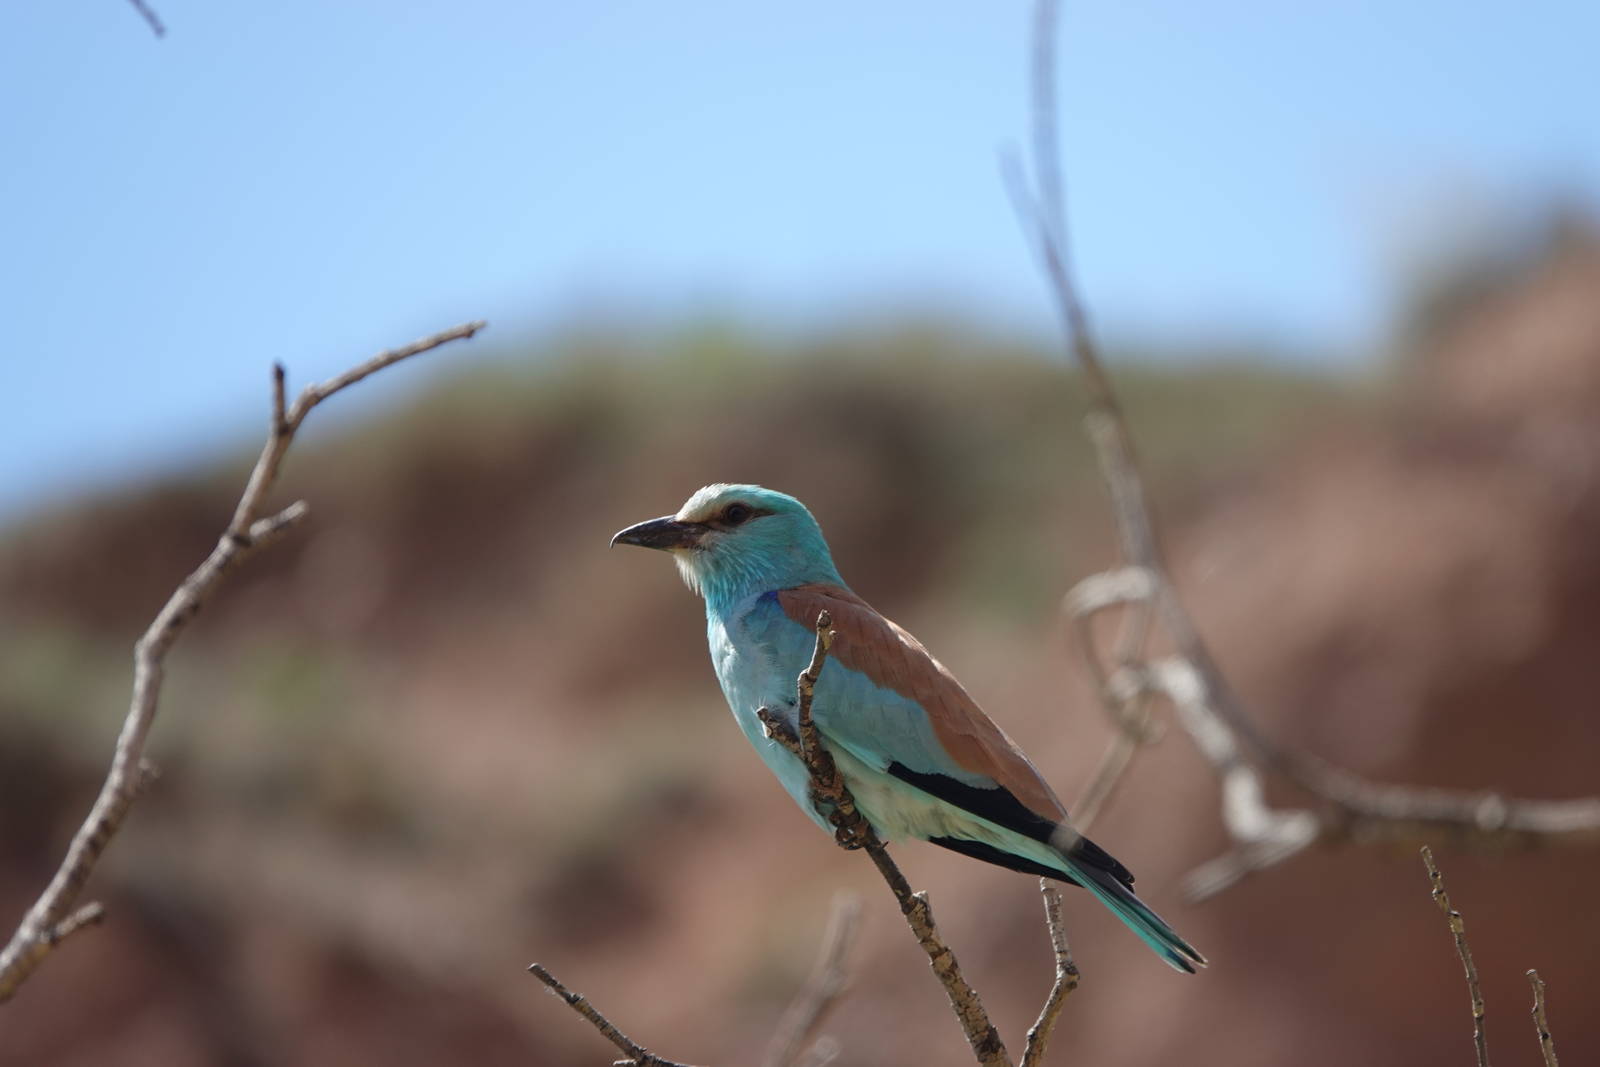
x,y
829,978
154,21
852,830
1458,929
1547,1044
1066,979
1123,695
1103,419
42,928
90,914
637,1054
823,1052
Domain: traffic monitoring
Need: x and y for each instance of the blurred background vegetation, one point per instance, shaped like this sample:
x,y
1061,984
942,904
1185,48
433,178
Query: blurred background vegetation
x,y
441,732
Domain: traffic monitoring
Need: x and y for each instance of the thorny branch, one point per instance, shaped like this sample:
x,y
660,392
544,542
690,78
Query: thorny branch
x,y
852,830
1352,807
48,922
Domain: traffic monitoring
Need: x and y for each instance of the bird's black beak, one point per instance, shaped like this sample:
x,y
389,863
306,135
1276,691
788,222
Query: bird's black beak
x,y
665,532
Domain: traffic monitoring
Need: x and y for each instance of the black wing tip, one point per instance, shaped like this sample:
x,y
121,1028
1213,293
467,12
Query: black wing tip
x,y
1081,850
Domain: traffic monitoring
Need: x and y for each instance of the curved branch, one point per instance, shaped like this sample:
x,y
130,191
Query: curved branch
x,y
47,922
1208,708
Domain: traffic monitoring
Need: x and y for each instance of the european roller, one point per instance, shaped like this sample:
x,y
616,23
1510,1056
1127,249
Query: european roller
x,y
920,757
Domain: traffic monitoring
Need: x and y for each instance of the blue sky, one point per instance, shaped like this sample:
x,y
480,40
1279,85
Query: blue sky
x,y
314,181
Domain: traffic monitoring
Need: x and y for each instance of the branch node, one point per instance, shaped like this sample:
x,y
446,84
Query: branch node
x,y
90,914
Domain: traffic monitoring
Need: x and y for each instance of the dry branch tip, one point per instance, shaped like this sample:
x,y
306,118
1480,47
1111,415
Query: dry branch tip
x,y
638,1055
1458,930
1547,1045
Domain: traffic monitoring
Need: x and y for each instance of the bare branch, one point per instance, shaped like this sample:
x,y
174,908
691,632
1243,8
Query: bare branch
x,y
797,1031
46,922
150,17
1458,929
852,830
283,426
1066,979
638,1055
1355,809
1547,1045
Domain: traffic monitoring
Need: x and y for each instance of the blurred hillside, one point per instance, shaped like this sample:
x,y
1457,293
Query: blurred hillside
x,y
442,732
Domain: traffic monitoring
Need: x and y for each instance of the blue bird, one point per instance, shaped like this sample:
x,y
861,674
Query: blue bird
x,y
920,757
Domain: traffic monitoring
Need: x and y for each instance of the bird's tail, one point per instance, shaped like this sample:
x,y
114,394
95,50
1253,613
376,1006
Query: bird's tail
x,y
1094,869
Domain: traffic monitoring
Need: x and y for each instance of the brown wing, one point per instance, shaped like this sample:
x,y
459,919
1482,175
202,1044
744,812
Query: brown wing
x,y
888,655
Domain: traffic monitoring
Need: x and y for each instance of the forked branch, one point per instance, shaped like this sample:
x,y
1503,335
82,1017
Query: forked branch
x,y
48,922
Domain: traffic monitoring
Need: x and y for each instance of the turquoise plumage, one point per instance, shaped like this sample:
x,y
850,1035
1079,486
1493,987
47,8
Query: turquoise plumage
x,y
920,757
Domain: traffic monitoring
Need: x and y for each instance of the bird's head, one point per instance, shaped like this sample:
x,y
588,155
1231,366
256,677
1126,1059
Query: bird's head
x,y
733,541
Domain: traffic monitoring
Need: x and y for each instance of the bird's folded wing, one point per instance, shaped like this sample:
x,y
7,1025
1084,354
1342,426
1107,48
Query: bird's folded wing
x,y
892,705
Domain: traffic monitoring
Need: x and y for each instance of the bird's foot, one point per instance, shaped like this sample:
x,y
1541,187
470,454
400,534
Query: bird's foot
x,y
849,839
851,834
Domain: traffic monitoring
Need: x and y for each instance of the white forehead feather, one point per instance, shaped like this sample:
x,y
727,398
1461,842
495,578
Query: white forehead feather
x,y
704,503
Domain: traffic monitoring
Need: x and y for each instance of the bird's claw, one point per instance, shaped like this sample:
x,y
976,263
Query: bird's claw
x,y
850,836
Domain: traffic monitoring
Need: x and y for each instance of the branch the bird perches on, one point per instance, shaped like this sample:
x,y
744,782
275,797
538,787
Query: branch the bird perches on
x,y
853,832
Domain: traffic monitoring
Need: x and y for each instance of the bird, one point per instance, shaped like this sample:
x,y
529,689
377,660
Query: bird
x,y
920,757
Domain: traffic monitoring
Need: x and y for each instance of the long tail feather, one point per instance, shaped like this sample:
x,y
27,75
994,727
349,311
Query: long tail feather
x,y
1117,895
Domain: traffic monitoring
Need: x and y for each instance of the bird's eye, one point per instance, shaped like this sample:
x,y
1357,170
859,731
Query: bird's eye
x,y
735,514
